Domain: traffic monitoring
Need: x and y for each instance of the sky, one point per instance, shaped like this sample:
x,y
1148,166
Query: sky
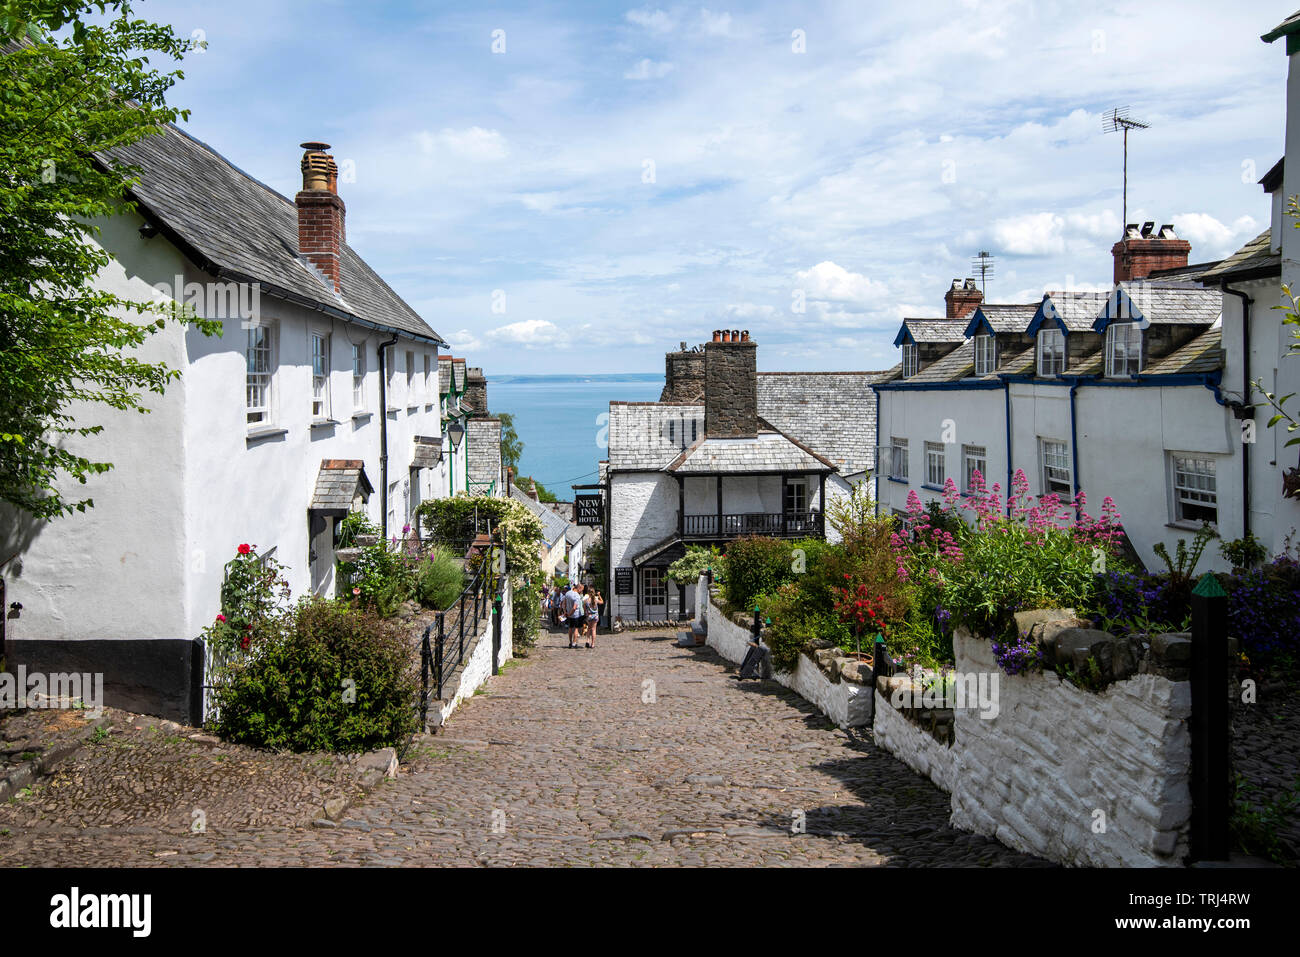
x,y
580,187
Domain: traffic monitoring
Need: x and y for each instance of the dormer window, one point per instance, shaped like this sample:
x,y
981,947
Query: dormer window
x,y
1051,352
1123,349
909,359
986,354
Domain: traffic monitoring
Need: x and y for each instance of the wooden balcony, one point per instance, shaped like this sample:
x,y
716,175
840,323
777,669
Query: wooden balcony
x,y
771,524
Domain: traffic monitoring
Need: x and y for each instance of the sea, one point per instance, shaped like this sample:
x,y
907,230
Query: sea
x,y
562,420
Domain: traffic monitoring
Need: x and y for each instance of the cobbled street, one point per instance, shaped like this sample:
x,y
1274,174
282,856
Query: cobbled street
x,y
636,752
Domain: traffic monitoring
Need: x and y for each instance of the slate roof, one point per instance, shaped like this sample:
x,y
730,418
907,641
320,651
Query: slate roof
x,y
638,433
241,229
1203,354
1163,303
1253,260
957,364
833,413
458,371
553,526
444,375
1004,317
933,330
1020,363
767,452
428,452
1078,310
337,483
1288,26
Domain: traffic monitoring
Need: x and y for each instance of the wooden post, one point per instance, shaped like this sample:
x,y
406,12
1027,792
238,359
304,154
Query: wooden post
x,y
821,506
1209,725
681,506
719,506
785,514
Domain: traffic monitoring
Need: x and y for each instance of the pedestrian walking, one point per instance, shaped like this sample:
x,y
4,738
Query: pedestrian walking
x,y
594,602
574,612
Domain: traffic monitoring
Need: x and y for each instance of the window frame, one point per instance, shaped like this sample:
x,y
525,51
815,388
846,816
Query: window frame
x,y
941,451
1057,336
359,376
266,409
1176,501
986,348
1112,344
971,453
911,360
796,489
428,381
658,586
410,377
1044,475
320,373
897,445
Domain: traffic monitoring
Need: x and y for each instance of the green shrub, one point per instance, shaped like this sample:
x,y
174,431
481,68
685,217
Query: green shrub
x,y
382,577
688,569
325,678
756,565
440,579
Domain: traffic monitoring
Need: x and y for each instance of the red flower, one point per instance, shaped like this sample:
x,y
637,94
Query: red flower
x,y
221,618
244,642
244,549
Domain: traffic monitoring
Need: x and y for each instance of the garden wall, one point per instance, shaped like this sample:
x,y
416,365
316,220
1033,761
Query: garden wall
x,y
478,664
1079,777
843,700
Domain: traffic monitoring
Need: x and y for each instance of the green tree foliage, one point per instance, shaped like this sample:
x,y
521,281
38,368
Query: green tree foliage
x,y
512,447
69,91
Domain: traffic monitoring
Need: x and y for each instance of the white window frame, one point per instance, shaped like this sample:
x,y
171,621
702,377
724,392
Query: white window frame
x,y
428,382
410,377
898,453
1193,481
976,455
1051,362
986,354
318,349
260,380
359,376
936,453
796,491
1123,349
911,360
1053,463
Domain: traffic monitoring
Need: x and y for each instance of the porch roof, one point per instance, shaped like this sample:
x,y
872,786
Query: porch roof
x,y
338,483
768,452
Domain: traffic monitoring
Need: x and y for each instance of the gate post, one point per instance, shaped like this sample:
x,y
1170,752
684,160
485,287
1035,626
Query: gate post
x,y
496,633
1209,724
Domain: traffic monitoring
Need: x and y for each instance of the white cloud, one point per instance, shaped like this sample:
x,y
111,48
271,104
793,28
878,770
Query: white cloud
x,y
715,24
831,282
1034,234
655,21
1211,238
473,143
463,340
648,70
527,332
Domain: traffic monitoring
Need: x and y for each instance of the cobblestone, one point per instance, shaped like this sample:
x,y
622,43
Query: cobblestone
x,y
636,752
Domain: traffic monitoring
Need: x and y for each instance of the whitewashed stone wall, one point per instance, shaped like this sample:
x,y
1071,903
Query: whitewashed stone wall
x,y
844,702
478,667
1078,777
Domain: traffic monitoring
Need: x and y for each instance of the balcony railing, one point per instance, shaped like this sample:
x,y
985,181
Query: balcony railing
x,y
775,524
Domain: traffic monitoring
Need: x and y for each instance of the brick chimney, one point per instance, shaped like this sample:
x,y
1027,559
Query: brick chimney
x,y
320,213
1142,251
962,299
731,385
476,391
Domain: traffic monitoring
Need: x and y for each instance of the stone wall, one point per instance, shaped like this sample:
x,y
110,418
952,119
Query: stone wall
x,y
730,389
1079,777
478,664
484,439
829,680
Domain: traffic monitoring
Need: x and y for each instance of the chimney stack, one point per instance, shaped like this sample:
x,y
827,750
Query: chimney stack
x,y
321,213
1143,251
962,299
731,386
476,391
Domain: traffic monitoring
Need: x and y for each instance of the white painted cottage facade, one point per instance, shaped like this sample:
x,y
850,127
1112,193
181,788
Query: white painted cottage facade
x,y
272,427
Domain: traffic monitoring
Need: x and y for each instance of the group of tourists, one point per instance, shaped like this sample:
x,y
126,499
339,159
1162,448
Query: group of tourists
x,y
576,607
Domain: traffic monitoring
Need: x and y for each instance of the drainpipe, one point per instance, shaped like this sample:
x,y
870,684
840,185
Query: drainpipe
x,y
1006,394
1074,447
1246,303
383,439
880,488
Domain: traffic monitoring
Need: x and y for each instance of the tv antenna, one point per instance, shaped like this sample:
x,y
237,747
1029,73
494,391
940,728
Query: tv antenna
x,y
1115,121
983,263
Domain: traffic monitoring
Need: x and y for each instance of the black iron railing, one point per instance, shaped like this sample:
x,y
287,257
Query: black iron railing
x,y
442,645
776,524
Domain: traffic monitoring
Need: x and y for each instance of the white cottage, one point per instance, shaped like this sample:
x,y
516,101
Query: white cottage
x,y
321,393
727,451
1119,392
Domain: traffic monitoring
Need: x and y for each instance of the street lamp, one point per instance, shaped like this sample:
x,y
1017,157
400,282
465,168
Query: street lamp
x,y
455,432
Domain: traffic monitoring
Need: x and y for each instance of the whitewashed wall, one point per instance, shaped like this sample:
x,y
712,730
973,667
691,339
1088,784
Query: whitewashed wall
x,y
644,511
1078,777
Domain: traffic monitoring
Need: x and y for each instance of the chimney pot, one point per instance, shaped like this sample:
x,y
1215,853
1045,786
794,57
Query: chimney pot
x,y
744,335
1146,229
321,213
